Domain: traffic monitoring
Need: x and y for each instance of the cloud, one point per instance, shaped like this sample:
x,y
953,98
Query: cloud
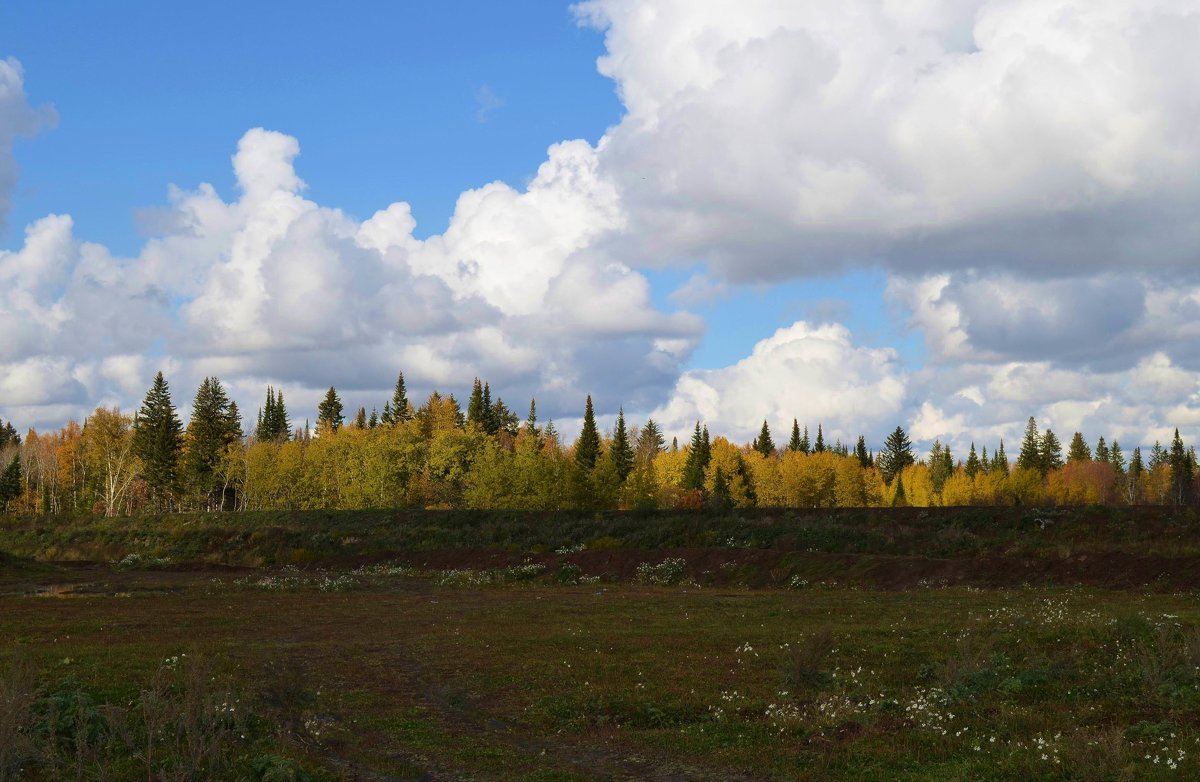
x,y
779,140
17,119
273,287
816,374
487,103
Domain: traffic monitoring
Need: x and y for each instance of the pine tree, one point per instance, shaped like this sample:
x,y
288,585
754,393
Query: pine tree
x,y
360,418
1116,458
984,463
1182,469
281,424
719,499
214,426
860,451
388,417
941,465
491,424
1158,456
1030,457
8,435
697,461
674,444
763,443
819,445
329,412
501,419
531,419
10,482
896,455
587,447
972,467
373,421
622,451
1102,452
401,410
1078,450
794,443
158,443
476,409
650,440
1051,452
1000,460
899,499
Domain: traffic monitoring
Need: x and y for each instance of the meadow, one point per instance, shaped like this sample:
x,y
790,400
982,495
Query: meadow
x,y
981,644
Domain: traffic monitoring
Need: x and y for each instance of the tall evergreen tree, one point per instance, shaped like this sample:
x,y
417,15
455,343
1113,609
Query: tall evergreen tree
x,y
1078,450
763,443
972,466
896,454
273,423
329,412
1030,457
477,411
941,465
213,427
622,450
1116,458
697,462
650,441
8,435
360,418
819,445
587,447
794,443
1102,452
10,482
805,447
1158,456
400,407
1000,460
531,419
1051,452
158,443
860,451
1182,470
373,421
491,422
501,419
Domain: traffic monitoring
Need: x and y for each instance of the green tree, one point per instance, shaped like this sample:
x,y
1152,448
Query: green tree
x,y
1102,452
697,460
1116,458
158,443
621,451
763,443
360,418
273,423
1051,452
477,410
1078,451
214,426
973,466
819,445
896,454
398,408
329,412
650,441
10,482
941,465
587,447
794,442
1000,460
1182,470
1030,457
862,454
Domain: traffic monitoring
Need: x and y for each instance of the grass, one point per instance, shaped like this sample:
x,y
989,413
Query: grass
x,y
534,653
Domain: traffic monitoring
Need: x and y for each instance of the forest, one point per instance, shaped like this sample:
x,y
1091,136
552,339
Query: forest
x,y
436,455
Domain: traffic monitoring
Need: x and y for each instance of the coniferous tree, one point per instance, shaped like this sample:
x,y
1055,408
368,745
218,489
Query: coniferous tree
x,y
10,482
1078,450
550,434
158,443
860,451
819,445
899,499
1158,456
763,443
329,412
1030,457
491,424
674,444
1182,470
1000,460
1051,452
1102,452
531,419
794,443
8,435
697,462
650,440
985,464
401,410
972,467
501,419
477,411
896,454
1116,458
273,423
941,465
360,418
387,418
587,447
214,426
373,421
622,451
805,447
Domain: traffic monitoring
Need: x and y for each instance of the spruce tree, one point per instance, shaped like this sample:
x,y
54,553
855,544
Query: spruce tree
x,y
214,426
158,443
401,409
387,418
763,443
1182,469
8,435
1030,457
373,421
1158,456
622,451
860,451
329,412
476,409
1000,460
805,447
1078,450
1102,452
941,465
491,423
693,468
1051,452
984,463
972,467
587,447
502,419
650,440
360,418
896,455
281,424
1116,458
10,482
531,419
819,445
794,443
899,499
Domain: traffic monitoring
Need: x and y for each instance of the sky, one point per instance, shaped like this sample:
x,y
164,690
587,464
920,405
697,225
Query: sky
x,y
948,215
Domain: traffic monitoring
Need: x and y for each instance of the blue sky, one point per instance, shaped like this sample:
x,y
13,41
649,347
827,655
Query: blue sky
x,y
949,215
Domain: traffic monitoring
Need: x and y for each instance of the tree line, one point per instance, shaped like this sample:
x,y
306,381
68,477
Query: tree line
x,y
437,455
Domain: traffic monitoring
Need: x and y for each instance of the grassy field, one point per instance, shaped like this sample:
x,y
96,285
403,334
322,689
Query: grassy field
x,y
688,662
